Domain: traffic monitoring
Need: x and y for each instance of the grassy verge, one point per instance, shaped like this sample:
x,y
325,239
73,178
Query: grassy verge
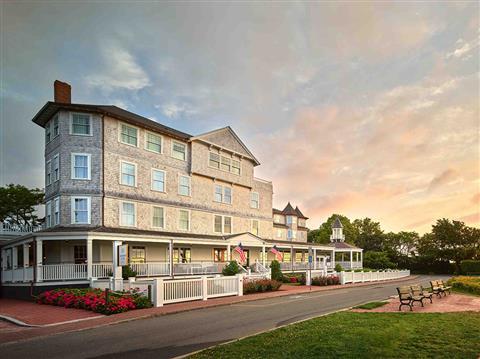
x,y
371,305
364,335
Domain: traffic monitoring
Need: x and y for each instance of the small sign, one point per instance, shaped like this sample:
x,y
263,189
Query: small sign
x,y
310,259
123,255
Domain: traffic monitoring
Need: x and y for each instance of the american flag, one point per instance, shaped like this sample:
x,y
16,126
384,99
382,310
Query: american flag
x,y
241,252
277,253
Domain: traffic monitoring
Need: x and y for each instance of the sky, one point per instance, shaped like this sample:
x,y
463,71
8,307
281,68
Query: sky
x,y
368,109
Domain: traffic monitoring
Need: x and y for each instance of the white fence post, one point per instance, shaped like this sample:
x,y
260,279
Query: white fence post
x,y
204,288
157,292
342,277
240,284
309,278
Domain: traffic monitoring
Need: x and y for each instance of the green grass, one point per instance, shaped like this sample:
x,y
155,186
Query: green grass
x,y
371,305
364,335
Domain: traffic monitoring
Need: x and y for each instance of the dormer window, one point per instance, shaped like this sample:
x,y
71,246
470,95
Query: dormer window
x,y
224,163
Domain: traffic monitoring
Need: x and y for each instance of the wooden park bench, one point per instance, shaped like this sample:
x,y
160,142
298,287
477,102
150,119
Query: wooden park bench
x,y
405,297
444,287
419,294
437,288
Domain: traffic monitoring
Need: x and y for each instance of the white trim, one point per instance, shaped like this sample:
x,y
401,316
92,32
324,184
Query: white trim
x,y
161,142
215,184
71,124
153,212
258,199
55,201
48,171
180,143
120,124
121,174
57,156
121,224
189,220
189,185
72,209
258,227
223,224
164,180
48,214
89,164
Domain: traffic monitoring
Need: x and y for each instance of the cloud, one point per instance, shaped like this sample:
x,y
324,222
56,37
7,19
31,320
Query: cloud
x,y
463,49
446,177
176,110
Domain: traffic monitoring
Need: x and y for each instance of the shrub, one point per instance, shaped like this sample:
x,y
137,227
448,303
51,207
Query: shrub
x,y
378,260
231,268
128,272
326,280
466,284
276,271
260,285
294,278
338,268
470,266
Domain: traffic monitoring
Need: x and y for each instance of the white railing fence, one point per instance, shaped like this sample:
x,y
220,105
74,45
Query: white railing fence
x,y
198,268
63,271
359,277
16,228
102,270
348,265
151,268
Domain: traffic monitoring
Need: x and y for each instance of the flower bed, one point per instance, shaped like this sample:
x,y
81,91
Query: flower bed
x,y
94,300
294,278
260,285
466,284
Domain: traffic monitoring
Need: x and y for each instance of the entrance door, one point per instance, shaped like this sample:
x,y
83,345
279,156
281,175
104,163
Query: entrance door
x,y
80,254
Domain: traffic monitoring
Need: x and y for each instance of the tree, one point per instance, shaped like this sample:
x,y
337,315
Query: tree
x,y
377,260
17,205
369,235
401,244
322,235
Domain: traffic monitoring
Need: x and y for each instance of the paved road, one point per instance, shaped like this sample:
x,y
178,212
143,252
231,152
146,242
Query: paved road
x,y
172,335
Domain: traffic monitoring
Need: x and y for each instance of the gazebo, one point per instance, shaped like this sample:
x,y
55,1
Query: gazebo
x,y
346,254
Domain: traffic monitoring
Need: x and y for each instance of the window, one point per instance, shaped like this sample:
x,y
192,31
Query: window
x,y
158,217
55,127
127,214
236,167
291,234
153,142
299,257
158,180
48,176
81,166
20,256
128,174
254,227
222,224
56,211
56,168
128,135
179,151
254,200
81,210
220,255
225,164
80,254
214,160
184,185
137,254
287,256
223,194
182,255
80,124
184,220
279,233
291,219
48,134
48,214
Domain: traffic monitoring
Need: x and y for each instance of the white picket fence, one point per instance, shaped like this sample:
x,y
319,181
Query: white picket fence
x,y
359,277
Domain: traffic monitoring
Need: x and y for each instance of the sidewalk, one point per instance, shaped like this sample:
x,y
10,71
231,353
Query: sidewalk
x,y
36,314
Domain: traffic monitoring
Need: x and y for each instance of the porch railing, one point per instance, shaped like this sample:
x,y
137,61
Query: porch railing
x,y
348,265
151,268
102,270
15,228
198,268
63,271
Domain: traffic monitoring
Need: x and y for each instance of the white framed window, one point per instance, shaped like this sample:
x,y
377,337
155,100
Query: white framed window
x,y
184,185
236,167
80,210
128,135
56,211
48,214
279,233
153,142
48,132
183,219
222,224
225,163
254,200
214,160
128,174
56,168
128,214
179,150
291,234
81,166
48,173
158,180
56,130
254,229
158,217
291,220
80,124
223,194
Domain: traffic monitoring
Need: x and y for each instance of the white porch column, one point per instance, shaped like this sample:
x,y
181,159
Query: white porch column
x,y
229,253
39,260
89,258
361,258
117,271
14,258
292,261
351,259
25,261
314,258
170,258
263,256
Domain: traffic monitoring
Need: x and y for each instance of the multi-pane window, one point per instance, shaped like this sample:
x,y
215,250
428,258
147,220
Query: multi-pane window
x,y
214,160
48,214
128,214
225,163
56,168
291,219
55,127
236,167
254,200
129,135
158,180
184,185
254,227
286,256
48,175
220,255
158,217
48,133
137,254
291,234
183,220
222,224
182,255
223,194
179,150
56,211
80,166
81,124
128,174
153,142
80,210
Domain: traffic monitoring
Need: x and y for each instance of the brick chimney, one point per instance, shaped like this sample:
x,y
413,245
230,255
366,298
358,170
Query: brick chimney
x,y
62,92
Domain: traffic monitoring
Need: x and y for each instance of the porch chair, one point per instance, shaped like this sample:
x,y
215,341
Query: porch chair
x,y
405,297
436,288
444,287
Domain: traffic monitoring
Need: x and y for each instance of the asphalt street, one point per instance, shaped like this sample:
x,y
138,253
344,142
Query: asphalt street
x,y
177,334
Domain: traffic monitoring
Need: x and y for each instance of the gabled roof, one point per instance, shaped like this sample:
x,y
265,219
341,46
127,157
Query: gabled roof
x,y
342,245
214,137
289,211
51,108
337,223
276,211
299,213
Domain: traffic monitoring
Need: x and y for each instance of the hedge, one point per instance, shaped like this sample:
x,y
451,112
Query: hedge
x,y
470,266
466,284
260,285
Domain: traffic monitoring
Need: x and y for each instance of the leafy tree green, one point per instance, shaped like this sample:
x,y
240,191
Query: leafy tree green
x,y
369,235
17,204
401,245
322,235
276,271
377,260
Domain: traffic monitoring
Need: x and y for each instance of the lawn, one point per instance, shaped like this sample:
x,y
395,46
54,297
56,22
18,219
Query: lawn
x,y
364,335
371,305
